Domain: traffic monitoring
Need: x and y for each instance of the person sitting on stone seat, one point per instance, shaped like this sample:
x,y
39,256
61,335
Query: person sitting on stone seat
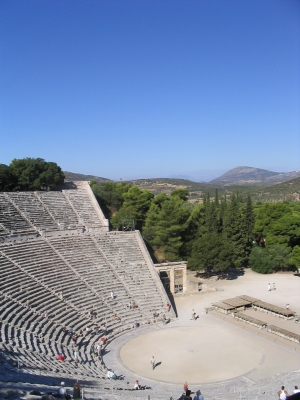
x,y
62,392
136,385
102,340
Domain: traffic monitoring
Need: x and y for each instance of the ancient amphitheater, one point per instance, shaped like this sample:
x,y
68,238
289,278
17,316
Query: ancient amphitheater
x,y
59,264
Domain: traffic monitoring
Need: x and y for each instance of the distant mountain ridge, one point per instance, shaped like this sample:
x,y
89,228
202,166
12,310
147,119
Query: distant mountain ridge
x,y
262,184
72,176
253,176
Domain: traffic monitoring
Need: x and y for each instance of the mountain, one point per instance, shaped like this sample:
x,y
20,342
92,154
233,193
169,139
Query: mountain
x,y
71,176
253,176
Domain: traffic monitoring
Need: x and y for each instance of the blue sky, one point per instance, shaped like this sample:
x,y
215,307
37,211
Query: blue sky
x,y
151,88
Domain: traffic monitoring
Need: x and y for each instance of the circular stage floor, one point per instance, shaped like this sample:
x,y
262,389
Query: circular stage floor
x,y
204,353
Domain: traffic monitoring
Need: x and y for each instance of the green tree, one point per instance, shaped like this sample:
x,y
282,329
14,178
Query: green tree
x,y
5,180
234,232
270,259
181,193
210,252
295,257
34,173
110,195
165,225
135,206
278,223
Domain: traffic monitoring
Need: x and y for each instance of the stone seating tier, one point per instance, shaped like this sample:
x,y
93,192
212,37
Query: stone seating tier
x,y
10,218
30,205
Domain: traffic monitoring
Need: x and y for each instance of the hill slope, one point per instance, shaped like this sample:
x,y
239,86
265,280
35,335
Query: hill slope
x,y
289,191
253,176
72,176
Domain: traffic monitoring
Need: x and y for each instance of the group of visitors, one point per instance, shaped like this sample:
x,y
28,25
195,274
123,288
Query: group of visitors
x,y
132,305
186,395
62,392
283,394
137,386
270,288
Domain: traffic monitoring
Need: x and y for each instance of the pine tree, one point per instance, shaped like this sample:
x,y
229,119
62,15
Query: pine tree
x,y
217,199
249,219
234,232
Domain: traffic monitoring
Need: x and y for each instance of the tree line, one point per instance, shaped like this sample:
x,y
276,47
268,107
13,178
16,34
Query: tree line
x,y
30,174
215,235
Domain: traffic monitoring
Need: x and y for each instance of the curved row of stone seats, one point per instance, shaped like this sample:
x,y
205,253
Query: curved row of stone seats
x,y
81,202
35,361
33,209
30,330
84,256
38,260
31,319
10,218
60,209
124,253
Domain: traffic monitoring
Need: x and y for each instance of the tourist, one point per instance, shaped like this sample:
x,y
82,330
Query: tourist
x,y
269,287
76,359
97,329
296,390
152,362
76,391
88,330
168,306
287,306
193,315
102,340
45,315
188,395
60,357
99,349
283,394
112,295
136,324
62,391
136,385
74,339
116,317
110,374
104,328
274,287
198,396
185,386
92,351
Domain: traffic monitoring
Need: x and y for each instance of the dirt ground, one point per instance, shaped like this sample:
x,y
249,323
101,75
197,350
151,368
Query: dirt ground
x,y
215,348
